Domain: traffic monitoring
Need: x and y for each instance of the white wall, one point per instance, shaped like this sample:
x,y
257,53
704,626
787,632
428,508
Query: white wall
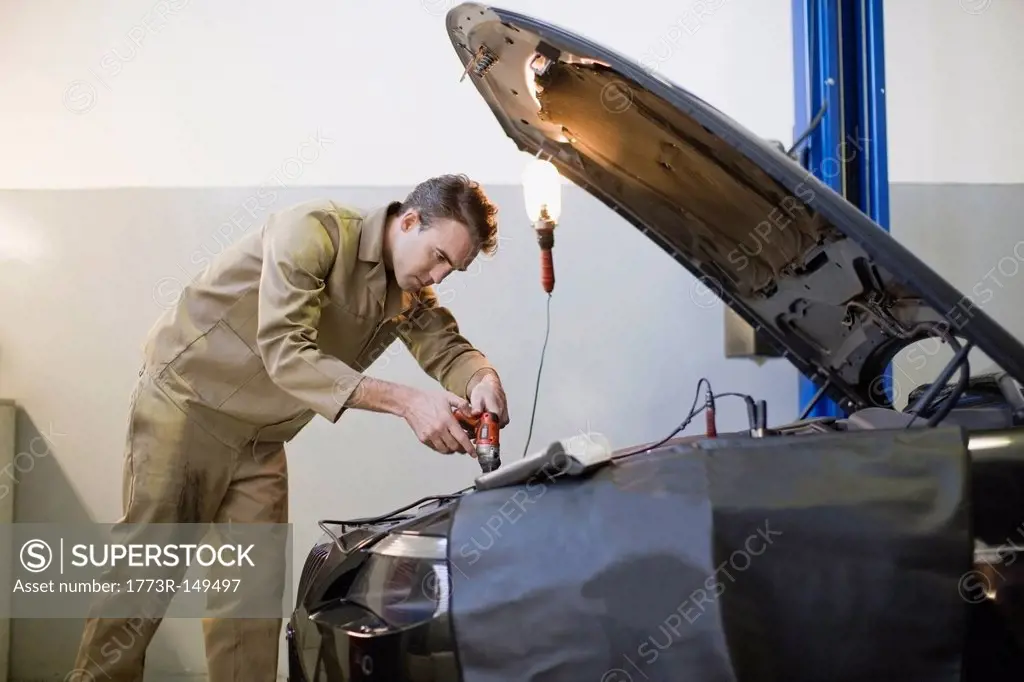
x,y
956,90
125,93
188,93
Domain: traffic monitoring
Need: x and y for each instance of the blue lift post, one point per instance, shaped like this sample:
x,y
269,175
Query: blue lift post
x,y
839,65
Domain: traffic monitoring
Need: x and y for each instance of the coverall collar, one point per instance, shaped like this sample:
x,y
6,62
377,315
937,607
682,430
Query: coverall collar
x,y
371,237
371,250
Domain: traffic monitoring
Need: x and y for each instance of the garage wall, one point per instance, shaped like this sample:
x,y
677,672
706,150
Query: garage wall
x,y
186,93
117,106
971,234
956,155
955,91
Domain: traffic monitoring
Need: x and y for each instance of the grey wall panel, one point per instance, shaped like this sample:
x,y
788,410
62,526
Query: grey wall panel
x,y
973,235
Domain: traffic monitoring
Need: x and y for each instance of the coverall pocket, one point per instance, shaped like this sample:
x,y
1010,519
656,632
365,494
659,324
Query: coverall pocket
x,y
217,365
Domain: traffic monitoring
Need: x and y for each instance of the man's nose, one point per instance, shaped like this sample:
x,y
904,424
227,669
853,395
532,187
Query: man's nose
x,y
439,273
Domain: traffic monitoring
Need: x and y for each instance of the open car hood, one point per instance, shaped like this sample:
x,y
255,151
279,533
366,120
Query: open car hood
x,y
823,283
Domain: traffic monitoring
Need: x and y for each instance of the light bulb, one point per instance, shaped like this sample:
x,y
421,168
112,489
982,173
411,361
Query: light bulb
x,y
542,188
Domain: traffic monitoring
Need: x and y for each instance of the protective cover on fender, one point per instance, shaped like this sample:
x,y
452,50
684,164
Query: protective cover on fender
x,y
818,278
815,558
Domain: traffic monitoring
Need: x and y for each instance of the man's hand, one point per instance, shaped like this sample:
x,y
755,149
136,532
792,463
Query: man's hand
x,y
487,395
431,418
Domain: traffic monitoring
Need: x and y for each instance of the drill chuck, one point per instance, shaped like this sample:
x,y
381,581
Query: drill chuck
x,y
488,457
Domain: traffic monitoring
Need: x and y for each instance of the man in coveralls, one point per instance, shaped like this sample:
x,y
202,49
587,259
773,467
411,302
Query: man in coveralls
x,y
277,330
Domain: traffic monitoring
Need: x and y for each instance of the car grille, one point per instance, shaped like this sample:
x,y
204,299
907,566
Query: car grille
x,y
315,560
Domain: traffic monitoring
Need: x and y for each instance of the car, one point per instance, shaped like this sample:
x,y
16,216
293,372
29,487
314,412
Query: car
x,y
873,546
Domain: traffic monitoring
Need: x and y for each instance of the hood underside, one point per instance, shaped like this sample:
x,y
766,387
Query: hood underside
x,y
833,292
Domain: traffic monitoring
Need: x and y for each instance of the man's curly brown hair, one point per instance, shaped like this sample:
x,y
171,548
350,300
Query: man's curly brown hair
x,y
457,198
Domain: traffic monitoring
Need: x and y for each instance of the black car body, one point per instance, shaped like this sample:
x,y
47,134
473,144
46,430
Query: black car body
x,y
873,547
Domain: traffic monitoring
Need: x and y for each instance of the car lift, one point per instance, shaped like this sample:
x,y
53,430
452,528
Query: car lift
x,y
839,64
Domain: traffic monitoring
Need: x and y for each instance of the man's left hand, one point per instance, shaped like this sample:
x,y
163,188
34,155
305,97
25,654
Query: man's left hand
x,y
488,396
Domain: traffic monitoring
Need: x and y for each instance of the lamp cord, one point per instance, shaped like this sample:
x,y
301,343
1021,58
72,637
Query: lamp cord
x,y
694,411
536,390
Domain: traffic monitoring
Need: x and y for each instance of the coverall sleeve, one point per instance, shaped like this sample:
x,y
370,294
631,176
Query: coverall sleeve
x,y
431,334
297,258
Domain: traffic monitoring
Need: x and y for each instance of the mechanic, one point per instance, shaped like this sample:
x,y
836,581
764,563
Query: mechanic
x,y
278,330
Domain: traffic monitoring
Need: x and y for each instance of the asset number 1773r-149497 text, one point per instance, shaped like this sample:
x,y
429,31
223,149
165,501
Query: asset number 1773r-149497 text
x,y
172,585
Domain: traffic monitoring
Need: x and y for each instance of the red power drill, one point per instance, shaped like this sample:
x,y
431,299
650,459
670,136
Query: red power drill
x,y
483,431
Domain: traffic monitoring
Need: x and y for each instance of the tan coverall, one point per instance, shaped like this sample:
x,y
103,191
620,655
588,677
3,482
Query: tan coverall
x,y
278,330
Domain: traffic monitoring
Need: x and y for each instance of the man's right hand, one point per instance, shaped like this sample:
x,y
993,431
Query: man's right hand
x,y
429,413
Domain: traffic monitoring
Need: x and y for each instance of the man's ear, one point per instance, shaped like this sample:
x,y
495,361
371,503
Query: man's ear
x,y
409,219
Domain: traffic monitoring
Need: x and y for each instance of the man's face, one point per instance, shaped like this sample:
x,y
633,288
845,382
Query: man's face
x,y
424,257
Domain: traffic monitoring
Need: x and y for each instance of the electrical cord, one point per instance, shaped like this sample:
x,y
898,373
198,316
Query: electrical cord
x,y
686,422
371,520
953,399
374,520
755,416
810,129
540,368
732,394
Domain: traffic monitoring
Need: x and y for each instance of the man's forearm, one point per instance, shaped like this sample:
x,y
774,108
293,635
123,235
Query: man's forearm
x,y
377,395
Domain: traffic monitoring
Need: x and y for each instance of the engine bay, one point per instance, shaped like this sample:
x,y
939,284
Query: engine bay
x,y
988,401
